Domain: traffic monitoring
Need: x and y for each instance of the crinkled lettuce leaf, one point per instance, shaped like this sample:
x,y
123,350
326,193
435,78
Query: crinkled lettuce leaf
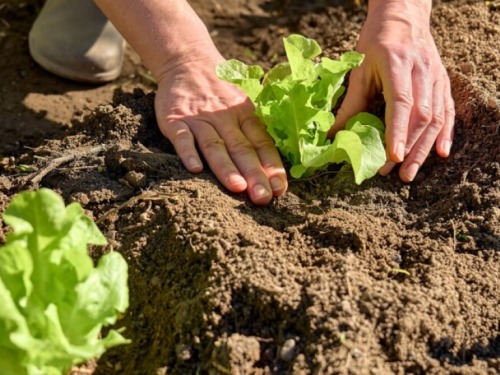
x,y
246,77
295,100
359,145
54,301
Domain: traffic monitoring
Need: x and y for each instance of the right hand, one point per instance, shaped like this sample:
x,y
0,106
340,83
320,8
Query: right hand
x,y
403,62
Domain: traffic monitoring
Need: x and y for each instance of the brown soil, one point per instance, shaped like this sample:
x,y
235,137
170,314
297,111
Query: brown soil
x,y
386,278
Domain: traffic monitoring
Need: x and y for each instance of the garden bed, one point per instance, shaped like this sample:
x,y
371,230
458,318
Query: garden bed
x,y
332,278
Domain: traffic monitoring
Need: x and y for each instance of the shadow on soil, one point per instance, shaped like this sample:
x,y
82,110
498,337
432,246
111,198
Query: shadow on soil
x,y
443,351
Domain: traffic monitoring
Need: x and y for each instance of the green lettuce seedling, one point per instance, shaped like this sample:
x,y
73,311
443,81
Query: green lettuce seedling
x,y
54,302
295,101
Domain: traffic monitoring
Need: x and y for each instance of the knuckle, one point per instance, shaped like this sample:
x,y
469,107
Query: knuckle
x,y
182,136
426,62
404,99
212,143
423,115
251,122
263,143
395,51
436,126
439,118
240,145
450,111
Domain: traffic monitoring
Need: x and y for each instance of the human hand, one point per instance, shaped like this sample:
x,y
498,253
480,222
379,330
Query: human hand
x,y
402,60
194,106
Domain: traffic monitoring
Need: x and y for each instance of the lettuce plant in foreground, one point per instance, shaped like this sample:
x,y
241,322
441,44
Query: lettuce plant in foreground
x,y
295,101
54,302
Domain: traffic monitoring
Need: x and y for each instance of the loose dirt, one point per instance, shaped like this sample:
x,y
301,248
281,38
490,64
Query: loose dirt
x,y
332,278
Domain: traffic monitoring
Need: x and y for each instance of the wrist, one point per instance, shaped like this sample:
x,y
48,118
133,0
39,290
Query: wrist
x,y
184,40
400,9
196,52
165,33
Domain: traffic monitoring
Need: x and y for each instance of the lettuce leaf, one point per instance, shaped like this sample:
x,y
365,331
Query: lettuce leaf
x,y
295,100
54,301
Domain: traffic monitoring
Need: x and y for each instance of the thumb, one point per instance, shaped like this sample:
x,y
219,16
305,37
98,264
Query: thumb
x,y
355,101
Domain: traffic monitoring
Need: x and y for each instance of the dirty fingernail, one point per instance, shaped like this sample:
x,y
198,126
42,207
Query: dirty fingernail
x,y
277,184
400,151
194,163
260,191
411,171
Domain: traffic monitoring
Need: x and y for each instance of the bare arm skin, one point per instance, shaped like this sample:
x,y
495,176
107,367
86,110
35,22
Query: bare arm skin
x,y
192,104
402,61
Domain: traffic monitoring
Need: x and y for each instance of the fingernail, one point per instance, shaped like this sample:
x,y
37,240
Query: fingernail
x,y
260,191
400,151
277,184
447,147
193,163
237,181
387,168
411,171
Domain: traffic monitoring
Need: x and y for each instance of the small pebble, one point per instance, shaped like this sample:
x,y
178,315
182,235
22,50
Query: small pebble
x,y
346,307
111,235
136,179
468,67
492,104
287,351
356,353
183,352
226,245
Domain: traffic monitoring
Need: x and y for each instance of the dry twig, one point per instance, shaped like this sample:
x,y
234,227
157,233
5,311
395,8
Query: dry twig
x,y
37,177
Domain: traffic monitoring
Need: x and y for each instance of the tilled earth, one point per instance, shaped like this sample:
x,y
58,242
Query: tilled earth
x,y
333,278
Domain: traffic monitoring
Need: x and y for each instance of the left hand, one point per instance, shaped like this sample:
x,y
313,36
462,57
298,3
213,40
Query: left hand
x,y
194,107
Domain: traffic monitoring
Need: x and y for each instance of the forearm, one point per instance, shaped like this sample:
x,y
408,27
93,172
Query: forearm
x,y
165,33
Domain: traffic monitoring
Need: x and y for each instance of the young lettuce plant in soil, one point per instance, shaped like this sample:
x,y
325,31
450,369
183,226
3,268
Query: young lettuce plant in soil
x,y
295,101
54,302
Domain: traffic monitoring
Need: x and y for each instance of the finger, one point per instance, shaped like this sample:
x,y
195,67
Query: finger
x,y
268,154
388,166
181,137
421,113
245,157
445,138
356,100
424,144
397,86
214,149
